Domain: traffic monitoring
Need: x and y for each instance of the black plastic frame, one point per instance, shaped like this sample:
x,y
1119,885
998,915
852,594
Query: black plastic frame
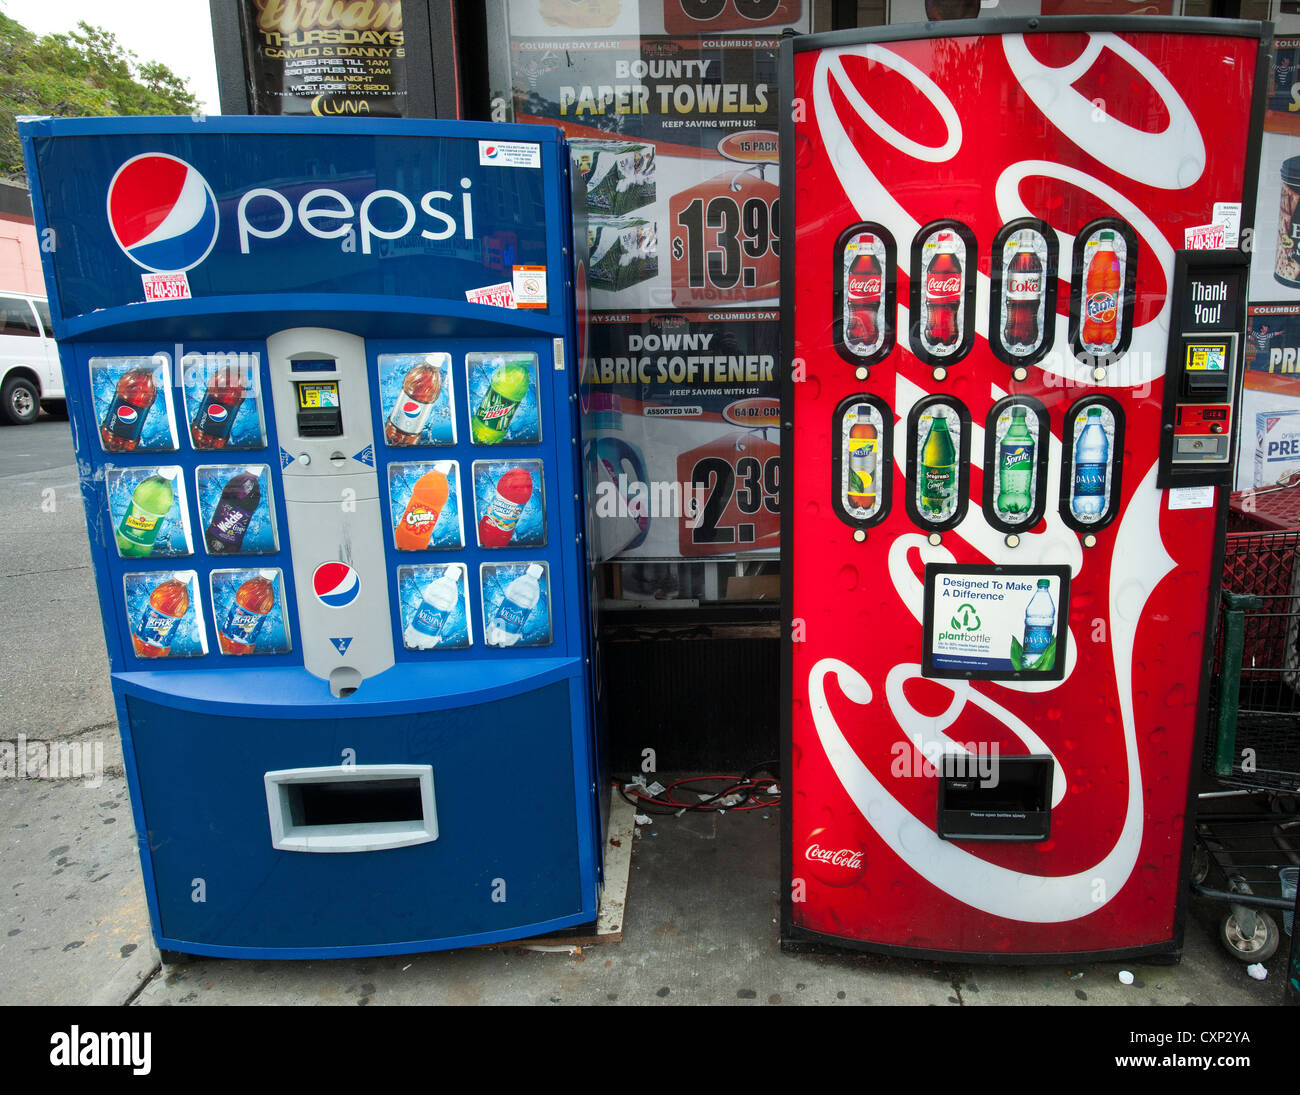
x,y
991,476
1067,463
1037,826
963,462
1078,275
884,460
1028,570
1050,275
917,279
889,312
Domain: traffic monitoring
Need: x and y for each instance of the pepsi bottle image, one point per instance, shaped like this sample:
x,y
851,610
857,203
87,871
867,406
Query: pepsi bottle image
x,y
240,498
133,398
225,395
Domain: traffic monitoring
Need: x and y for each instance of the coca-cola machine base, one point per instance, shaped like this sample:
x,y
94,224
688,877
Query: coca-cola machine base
x,y
1010,416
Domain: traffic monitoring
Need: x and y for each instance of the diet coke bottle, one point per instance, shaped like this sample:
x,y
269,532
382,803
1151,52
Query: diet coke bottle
x,y
943,285
1023,292
863,289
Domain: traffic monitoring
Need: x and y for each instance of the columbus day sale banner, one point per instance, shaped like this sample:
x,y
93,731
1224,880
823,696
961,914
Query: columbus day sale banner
x,y
671,114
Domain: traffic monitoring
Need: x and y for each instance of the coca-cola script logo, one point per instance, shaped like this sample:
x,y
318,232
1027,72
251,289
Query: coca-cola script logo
x,y
843,857
1025,287
864,288
943,288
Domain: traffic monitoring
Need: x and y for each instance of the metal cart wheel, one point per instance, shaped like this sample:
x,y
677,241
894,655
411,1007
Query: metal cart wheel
x,y
1259,947
1200,863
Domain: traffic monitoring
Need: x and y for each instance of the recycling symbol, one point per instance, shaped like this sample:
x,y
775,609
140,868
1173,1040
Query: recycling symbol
x,y
966,619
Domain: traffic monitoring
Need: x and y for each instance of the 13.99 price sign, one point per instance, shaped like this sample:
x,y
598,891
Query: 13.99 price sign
x,y
725,247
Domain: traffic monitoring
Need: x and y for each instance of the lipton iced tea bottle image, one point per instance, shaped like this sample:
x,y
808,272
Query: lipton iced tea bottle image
x,y
428,496
420,391
168,602
151,501
132,400
1101,298
505,392
253,601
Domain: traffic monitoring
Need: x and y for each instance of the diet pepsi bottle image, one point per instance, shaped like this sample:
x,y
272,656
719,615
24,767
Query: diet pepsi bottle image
x,y
240,498
1040,622
420,391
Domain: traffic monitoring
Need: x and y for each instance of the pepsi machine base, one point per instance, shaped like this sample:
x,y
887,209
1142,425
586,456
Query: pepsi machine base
x,y
509,860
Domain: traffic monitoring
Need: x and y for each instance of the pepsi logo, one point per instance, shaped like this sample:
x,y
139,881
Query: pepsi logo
x,y
162,213
217,413
411,408
336,585
490,152
127,414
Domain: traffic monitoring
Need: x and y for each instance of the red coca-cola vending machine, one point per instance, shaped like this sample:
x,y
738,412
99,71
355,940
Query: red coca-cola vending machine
x,y
1014,347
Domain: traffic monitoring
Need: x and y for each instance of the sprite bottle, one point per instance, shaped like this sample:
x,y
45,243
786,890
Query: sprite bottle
x,y
938,479
505,392
1016,466
151,501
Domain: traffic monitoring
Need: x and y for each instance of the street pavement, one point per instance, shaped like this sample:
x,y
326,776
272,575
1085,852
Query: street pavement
x,y
701,921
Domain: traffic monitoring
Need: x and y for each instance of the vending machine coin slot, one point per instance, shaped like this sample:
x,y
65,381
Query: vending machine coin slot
x,y
1204,369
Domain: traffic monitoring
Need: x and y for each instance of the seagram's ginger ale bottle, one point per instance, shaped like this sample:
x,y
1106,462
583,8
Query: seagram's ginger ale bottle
x,y
938,472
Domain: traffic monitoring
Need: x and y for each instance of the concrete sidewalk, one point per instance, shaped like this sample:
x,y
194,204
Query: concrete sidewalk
x,y
701,918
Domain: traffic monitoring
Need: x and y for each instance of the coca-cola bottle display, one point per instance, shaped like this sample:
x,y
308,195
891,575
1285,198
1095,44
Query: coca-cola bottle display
x,y
942,323
865,296
1022,294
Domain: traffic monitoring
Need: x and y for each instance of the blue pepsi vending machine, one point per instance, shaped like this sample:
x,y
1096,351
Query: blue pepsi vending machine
x,y
322,384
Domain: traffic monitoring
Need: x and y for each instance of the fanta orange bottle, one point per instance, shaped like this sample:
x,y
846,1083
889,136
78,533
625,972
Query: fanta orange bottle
x,y
428,496
1101,298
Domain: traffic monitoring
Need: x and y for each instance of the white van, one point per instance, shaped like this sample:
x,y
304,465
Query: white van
x,y
30,377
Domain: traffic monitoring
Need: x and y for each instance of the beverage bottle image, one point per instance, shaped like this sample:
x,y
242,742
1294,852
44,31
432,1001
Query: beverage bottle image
x,y
420,391
1040,621
428,496
1101,292
862,465
133,398
862,294
1091,455
239,500
253,601
151,501
1016,466
938,478
511,495
438,601
943,285
221,402
1023,289
168,602
505,392
507,624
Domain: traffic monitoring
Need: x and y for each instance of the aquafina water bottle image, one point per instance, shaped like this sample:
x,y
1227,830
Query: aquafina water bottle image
x,y
513,620
439,599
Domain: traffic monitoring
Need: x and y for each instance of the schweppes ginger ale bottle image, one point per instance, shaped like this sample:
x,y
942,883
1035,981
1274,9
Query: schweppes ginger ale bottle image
x,y
938,472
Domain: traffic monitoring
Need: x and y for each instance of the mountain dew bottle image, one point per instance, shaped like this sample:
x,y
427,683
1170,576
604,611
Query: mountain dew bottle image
x,y
150,503
1015,466
1040,622
505,392
938,473
507,624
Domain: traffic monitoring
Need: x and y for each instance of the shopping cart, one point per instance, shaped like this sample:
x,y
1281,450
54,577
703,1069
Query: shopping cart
x,y
1252,746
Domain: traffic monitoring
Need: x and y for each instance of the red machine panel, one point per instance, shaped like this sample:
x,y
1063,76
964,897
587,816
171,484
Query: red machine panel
x,y
984,578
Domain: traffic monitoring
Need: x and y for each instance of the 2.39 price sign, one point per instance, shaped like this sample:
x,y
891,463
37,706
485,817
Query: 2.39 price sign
x,y
732,496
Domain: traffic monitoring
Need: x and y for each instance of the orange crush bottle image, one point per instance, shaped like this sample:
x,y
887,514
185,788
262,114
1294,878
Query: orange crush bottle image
x,y
428,496
253,601
152,637
1101,298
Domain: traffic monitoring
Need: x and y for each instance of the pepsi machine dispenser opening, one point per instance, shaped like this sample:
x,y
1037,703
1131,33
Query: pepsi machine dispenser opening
x,y
322,387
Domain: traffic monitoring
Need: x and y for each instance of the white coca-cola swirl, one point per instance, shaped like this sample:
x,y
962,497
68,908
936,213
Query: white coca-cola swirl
x,y
1172,159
